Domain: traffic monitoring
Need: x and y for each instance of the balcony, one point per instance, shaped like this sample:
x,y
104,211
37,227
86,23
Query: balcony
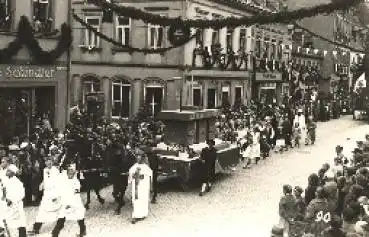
x,y
268,65
216,59
5,24
44,27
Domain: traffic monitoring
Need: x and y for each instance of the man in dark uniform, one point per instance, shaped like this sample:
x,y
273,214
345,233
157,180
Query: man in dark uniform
x,y
208,158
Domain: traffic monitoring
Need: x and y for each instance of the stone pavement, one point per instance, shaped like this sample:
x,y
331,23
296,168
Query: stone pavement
x,y
244,203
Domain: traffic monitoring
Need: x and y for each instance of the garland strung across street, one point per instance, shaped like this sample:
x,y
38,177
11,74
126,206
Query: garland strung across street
x,y
26,37
175,41
263,18
328,40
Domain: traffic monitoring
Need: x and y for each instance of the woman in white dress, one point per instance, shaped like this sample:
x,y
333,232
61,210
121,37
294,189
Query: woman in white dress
x,y
72,207
51,201
253,150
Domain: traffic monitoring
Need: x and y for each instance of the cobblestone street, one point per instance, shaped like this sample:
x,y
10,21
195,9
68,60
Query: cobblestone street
x,y
244,203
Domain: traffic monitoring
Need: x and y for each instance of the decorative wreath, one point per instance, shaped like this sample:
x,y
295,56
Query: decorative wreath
x,y
25,36
178,35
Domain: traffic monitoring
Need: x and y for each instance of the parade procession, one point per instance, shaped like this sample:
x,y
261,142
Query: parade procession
x,y
186,118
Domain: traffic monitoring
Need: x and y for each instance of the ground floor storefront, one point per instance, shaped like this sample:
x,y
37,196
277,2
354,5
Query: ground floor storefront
x,y
269,87
125,89
30,94
210,89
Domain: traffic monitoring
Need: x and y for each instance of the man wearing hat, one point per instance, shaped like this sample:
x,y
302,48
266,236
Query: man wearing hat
x,y
208,158
14,194
287,209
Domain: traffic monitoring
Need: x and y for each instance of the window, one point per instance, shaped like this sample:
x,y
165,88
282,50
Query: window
x,y
90,85
154,98
229,38
200,37
91,39
242,38
121,99
280,50
196,98
42,15
212,98
258,48
155,36
273,51
225,95
215,37
238,94
123,29
5,10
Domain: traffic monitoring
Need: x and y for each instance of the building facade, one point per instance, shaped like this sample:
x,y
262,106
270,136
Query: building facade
x,y
30,92
214,68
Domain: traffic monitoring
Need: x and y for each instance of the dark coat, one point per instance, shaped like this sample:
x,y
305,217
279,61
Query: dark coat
x,y
208,156
310,194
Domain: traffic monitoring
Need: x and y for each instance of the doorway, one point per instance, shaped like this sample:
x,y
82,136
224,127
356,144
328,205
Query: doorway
x,y
154,98
211,98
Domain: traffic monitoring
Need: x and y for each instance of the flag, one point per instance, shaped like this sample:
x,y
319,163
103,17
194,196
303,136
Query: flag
x,y
360,82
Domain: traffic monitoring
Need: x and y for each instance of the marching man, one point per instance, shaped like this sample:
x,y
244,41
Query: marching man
x,y
51,201
72,207
140,176
14,194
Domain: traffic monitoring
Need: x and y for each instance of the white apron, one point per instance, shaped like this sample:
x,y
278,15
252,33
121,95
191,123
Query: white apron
x,y
72,207
51,201
140,176
15,215
302,125
253,150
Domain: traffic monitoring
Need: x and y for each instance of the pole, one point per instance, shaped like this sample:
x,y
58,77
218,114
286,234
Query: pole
x,y
192,89
69,63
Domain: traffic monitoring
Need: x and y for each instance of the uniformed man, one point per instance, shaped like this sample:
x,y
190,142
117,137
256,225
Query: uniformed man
x,y
208,158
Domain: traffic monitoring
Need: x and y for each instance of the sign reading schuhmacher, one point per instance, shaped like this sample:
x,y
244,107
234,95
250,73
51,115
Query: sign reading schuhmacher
x,y
25,72
268,76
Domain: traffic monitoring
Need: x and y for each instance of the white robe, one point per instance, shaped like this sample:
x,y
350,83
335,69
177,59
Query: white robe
x,y
141,193
2,202
15,215
72,206
300,120
49,209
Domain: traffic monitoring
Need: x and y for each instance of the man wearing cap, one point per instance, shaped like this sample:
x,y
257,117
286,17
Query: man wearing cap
x,y
14,194
51,200
208,158
140,176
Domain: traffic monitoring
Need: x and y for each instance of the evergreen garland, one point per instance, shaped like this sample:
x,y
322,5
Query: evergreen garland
x,y
129,48
262,18
25,36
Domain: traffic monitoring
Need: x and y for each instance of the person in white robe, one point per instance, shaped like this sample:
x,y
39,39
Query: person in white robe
x,y
72,206
2,205
14,193
51,201
299,121
140,177
253,150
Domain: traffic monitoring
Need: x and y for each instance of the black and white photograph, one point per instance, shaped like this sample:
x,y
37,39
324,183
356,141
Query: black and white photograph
x,y
184,118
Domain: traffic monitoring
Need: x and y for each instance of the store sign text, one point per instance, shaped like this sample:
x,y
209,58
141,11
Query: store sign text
x,y
27,72
268,77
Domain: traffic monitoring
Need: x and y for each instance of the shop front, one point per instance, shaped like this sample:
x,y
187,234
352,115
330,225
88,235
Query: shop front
x,y
29,94
212,89
268,87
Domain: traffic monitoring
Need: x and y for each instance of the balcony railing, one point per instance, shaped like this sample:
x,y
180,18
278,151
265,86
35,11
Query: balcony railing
x,y
265,65
215,58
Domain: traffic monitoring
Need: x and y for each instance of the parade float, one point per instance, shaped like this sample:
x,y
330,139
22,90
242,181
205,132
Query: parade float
x,y
185,136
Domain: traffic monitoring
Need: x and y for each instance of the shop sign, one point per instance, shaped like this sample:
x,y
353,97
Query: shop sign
x,y
268,76
24,72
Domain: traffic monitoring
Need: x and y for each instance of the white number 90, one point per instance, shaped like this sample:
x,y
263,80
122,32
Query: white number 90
x,y
320,216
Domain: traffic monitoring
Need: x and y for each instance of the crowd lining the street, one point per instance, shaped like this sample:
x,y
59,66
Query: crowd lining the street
x,y
47,169
335,203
